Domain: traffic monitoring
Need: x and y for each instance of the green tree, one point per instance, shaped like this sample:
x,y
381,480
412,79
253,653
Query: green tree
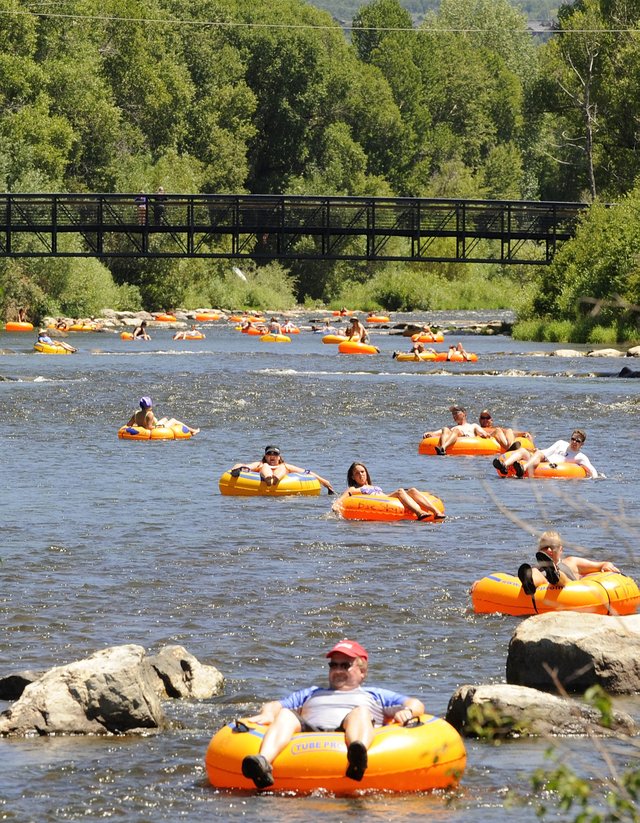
x,y
595,277
492,25
376,22
570,86
287,72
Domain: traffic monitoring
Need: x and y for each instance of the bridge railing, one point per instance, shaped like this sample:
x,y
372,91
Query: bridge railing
x,y
218,225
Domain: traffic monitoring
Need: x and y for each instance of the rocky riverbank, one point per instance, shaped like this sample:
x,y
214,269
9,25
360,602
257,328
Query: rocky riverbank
x,y
120,689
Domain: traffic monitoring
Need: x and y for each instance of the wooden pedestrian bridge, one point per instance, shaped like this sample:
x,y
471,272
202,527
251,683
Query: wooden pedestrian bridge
x,y
284,227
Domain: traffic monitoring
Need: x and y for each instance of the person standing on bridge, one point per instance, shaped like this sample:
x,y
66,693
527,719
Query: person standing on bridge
x,y
159,206
141,204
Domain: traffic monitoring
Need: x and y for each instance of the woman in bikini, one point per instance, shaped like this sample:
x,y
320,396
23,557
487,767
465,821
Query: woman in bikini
x,y
359,482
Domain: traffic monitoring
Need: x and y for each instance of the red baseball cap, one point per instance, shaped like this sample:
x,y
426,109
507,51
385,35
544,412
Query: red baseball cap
x,y
350,648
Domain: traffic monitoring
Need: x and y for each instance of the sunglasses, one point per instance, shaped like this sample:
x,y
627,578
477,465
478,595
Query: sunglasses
x,y
577,440
277,454
334,664
485,417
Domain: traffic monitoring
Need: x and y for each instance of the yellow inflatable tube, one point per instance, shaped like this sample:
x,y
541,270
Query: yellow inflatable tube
x,y
469,446
414,357
250,484
159,433
381,507
600,593
50,348
428,755
334,338
275,338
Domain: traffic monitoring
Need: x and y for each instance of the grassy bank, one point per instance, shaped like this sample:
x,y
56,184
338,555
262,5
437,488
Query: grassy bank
x,y
585,330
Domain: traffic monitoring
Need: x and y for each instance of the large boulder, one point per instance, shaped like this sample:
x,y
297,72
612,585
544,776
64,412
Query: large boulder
x,y
634,351
501,710
179,674
577,651
109,692
567,353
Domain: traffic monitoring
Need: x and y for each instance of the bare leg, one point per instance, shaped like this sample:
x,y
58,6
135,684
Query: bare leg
x,y
503,463
358,735
503,436
266,474
278,734
518,454
277,473
447,438
171,421
423,501
407,501
358,727
534,460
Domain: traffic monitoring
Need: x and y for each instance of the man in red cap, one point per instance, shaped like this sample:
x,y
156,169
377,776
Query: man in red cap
x,y
346,706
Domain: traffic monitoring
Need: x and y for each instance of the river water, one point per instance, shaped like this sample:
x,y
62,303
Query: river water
x,y
107,542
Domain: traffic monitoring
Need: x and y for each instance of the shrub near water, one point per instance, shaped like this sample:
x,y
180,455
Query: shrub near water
x,y
267,287
70,286
465,288
579,331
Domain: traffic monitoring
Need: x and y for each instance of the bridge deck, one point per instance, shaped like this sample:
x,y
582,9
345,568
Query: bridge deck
x,y
284,227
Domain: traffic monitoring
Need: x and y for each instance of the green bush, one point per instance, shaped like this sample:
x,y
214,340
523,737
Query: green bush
x,y
77,287
267,287
532,329
583,330
20,291
89,288
417,288
402,291
600,335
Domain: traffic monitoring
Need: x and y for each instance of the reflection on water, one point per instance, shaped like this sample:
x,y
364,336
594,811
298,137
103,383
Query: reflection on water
x,y
107,542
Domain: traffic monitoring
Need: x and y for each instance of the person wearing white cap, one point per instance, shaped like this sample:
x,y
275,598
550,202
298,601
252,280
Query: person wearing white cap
x,y
146,419
346,706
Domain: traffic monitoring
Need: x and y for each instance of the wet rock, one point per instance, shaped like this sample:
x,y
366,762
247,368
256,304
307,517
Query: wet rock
x,y
109,692
487,328
605,353
625,371
567,353
180,674
503,710
579,650
634,351
12,685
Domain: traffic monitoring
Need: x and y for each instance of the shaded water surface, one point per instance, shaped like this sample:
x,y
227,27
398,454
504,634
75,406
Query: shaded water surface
x,y
107,542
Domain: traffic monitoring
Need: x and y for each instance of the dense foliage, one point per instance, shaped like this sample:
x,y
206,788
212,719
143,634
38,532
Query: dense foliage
x,y
232,96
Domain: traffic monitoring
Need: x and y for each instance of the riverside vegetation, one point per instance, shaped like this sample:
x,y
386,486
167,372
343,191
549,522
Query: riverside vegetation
x,y
128,96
